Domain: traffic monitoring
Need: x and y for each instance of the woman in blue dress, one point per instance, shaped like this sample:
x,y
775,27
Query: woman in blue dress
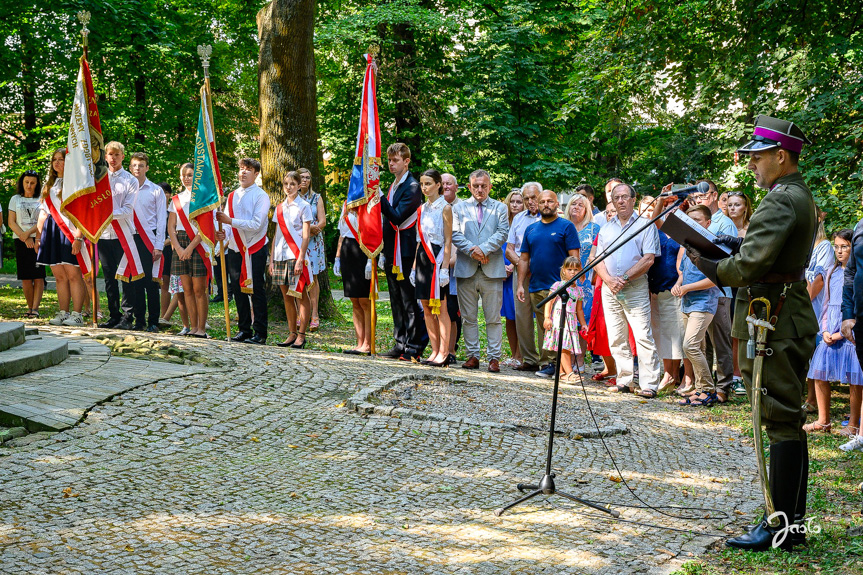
x,y
515,204
835,358
579,213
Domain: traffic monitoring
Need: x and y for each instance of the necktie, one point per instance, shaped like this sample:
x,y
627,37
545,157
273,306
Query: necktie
x,y
479,214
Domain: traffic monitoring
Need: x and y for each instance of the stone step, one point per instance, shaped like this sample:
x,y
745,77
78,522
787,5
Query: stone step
x,y
37,352
11,334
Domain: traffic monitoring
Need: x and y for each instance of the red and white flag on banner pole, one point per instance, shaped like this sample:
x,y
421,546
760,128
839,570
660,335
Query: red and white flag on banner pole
x,y
87,197
364,185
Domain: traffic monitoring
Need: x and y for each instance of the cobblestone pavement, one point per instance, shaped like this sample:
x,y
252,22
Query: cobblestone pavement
x,y
263,470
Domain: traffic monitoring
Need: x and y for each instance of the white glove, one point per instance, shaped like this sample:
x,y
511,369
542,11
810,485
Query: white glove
x,y
369,269
381,265
413,277
443,277
337,268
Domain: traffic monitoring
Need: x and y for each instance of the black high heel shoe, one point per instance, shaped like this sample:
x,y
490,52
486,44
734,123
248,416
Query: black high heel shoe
x,y
287,343
302,345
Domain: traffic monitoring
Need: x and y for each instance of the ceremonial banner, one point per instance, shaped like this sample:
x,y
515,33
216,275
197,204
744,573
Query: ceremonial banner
x,y
207,182
363,189
86,190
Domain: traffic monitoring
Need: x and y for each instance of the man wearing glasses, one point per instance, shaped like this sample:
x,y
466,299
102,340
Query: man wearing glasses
x,y
719,331
625,294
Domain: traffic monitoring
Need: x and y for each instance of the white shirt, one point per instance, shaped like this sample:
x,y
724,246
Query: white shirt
x,y
295,214
26,211
251,208
124,188
432,221
150,209
344,230
518,227
185,197
632,248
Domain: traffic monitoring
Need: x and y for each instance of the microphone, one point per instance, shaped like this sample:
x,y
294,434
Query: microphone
x,y
699,188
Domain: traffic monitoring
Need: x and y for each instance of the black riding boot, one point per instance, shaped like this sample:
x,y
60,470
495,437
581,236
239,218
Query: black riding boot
x,y
786,474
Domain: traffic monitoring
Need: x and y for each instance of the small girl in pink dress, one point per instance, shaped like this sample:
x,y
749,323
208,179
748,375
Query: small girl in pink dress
x,y
575,323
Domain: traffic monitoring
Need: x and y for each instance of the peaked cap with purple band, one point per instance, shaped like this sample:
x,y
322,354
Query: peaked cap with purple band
x,y
775,133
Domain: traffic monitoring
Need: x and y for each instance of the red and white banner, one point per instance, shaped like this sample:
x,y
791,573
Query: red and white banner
x,y
294,239
145,235
86,193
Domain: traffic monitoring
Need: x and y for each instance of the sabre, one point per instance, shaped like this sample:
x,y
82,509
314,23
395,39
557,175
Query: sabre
x,y
763,328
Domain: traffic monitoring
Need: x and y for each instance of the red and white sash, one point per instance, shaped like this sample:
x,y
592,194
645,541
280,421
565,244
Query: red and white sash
x,y
83,255
148,243
149,238
294,239
246,285
130,268
407,224
190,231
434,299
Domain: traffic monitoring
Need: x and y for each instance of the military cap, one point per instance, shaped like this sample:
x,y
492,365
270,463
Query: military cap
x,y
773,133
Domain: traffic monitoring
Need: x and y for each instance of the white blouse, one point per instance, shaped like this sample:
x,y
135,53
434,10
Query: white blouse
x,y
57,195
344,230
432,221
296,213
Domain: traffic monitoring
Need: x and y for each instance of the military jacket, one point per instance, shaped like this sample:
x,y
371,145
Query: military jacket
x,y
778,240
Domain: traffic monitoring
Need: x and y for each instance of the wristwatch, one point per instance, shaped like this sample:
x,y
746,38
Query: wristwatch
x,y
625,278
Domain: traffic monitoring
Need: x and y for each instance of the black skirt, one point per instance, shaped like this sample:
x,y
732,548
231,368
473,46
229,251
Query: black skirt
x,y
167,257
353,262
54,248
424,268
25,262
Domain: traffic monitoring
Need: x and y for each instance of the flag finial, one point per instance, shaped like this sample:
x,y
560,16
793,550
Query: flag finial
x,y
204,51
84,19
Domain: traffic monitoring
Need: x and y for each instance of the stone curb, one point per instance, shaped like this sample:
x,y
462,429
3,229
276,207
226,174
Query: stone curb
x,y
359,402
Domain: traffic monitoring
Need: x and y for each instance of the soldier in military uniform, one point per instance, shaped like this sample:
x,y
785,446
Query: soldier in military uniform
x,y
769,262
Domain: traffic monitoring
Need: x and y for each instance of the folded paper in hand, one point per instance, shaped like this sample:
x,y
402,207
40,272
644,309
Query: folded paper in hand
x,y
684,230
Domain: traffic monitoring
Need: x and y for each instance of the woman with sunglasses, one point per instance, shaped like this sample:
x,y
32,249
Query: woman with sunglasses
x,y
24,210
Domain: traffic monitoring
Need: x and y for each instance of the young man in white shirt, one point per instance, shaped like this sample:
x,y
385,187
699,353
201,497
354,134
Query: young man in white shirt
x,y
150,221
124,189
247,216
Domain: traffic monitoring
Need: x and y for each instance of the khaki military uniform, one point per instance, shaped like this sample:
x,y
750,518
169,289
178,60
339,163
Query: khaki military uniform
x,y
776,247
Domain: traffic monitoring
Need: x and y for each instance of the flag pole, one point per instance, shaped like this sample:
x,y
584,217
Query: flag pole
x,y
373,288
84,18
204,52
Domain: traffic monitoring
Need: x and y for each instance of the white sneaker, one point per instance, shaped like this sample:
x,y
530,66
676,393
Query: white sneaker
x,y
184,331
856,444
59,318
74,319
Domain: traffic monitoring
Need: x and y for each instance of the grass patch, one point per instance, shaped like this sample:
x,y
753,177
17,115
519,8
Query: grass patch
x,y
834,503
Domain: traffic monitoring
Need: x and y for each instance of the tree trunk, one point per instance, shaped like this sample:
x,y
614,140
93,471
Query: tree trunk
x,y
141,105
32,141
287,96
408,127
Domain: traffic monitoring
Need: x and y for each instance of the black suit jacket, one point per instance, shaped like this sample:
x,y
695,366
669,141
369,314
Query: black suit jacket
x,y
407,198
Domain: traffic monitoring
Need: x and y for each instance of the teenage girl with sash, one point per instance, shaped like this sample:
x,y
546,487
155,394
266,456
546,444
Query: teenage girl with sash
x,y
356,274
190,262
60,245
428,275
288,265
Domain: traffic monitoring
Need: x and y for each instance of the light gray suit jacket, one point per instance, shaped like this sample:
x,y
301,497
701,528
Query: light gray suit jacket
x,y
467,233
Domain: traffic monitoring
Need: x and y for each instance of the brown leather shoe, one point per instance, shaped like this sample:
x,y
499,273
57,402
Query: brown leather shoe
x,y
527,367
494,366
471,363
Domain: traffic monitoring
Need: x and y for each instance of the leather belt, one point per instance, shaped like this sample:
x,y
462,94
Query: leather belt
x,y
782,278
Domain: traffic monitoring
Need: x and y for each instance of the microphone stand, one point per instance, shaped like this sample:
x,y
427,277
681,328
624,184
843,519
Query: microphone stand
x,y
546,485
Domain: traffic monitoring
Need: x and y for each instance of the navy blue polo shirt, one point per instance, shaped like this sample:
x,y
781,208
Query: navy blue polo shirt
x,y
548,245
662,275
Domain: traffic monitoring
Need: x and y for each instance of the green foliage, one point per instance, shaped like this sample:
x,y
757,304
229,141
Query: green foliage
x,y
146,74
